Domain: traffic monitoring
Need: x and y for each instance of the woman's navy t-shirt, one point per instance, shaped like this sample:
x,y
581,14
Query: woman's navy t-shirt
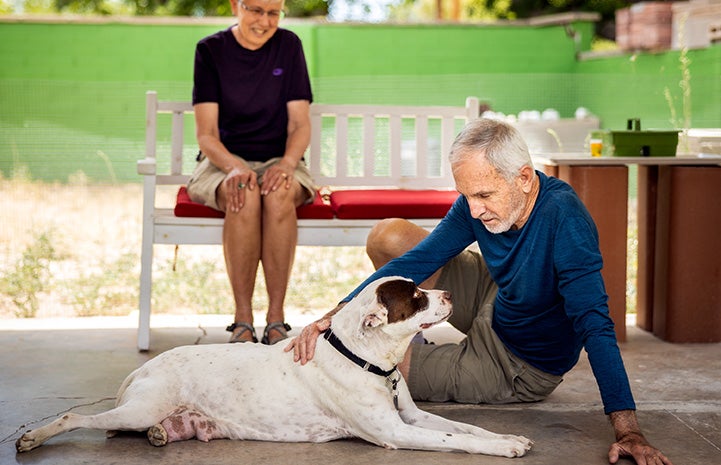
x,y
252,88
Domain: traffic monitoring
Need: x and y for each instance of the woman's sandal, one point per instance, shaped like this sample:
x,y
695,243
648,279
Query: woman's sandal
x,y
245,328
281,327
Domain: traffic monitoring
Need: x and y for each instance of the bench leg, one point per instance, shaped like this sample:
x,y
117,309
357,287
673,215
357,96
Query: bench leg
x,y
146,279
146,267
146,264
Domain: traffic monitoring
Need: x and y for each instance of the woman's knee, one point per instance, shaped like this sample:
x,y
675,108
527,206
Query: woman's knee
x,y
249,212
279,205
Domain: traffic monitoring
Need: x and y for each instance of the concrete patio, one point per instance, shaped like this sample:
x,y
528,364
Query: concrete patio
x,y
47,371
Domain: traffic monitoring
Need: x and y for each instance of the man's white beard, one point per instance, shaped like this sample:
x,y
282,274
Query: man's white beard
x,y
513,216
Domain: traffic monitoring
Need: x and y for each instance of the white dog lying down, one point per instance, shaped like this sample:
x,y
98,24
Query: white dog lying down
x,y
351,388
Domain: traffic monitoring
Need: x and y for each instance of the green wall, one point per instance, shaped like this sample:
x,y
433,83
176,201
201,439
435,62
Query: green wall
x,y
72,93
512,67
631,85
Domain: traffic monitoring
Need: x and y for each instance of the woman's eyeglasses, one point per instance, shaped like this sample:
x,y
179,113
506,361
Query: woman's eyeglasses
x,y
258,13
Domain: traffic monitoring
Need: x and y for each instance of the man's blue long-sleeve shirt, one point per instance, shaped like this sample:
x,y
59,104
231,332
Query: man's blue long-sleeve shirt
x,y
551,300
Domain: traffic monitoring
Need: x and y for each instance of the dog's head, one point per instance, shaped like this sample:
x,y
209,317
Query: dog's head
x,y
379,323
397,301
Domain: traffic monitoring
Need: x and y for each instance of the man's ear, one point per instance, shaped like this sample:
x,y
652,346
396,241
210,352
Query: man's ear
x,y
526,176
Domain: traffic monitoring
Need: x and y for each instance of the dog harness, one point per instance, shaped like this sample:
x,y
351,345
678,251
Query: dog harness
x,y
392,376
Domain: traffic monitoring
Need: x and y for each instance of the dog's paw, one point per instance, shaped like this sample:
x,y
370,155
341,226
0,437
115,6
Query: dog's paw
x,y
527,443
157,435
26,442
516,446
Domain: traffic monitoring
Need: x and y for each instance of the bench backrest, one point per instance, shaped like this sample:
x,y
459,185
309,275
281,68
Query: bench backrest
x,y
351,145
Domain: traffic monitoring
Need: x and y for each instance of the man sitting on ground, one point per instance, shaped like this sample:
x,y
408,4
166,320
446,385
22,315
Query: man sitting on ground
x,y
528,303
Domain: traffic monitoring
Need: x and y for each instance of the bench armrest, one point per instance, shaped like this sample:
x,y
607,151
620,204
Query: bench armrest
x,y
146,166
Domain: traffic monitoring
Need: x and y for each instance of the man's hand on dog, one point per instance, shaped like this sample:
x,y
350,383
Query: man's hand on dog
x,y
303,346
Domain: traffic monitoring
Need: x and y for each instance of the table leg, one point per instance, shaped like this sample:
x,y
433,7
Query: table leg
x,y
646,214
604,191
687,278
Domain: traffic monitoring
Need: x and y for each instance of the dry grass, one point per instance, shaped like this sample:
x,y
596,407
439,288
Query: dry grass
x,y
74,250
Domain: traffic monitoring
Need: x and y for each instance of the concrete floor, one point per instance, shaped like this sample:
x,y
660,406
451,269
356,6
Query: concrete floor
x,y
49,371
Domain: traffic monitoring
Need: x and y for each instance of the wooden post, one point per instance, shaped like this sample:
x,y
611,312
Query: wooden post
x,y
604,191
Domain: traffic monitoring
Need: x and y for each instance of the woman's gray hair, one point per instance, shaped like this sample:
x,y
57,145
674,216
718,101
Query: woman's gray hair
x,y
501,143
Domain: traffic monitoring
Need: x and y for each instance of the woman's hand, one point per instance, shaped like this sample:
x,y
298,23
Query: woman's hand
x,y
277,176
235,183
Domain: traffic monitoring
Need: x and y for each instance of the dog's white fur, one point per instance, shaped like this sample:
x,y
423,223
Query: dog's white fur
x,y
258,392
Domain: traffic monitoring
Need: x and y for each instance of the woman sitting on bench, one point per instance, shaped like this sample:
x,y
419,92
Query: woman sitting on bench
x,y
251,98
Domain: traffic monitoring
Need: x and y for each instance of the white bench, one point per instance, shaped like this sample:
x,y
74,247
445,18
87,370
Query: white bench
x,y
402,149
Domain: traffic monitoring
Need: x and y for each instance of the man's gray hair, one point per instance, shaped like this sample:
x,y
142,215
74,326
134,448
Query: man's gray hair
x,y
501,143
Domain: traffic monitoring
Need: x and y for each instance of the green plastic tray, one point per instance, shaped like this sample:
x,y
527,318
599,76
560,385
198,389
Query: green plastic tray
x,y
634,142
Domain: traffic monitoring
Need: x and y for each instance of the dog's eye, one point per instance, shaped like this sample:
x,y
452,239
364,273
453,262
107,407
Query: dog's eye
x,y
420,300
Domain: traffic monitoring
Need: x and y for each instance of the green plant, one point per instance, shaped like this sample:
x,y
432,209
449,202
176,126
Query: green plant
x,y
632,259
600,44
556,138
108,165
322,276
111,289
29,277
200,286
683,123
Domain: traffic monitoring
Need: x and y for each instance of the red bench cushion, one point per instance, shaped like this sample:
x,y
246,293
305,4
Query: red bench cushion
x,y
401,203
185,207
319,209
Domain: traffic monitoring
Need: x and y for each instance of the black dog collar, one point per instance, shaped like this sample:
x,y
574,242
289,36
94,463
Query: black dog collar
x,y
367,366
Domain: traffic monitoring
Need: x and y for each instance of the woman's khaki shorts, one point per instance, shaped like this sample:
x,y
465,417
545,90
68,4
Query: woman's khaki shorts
x,y
479,369
206,178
